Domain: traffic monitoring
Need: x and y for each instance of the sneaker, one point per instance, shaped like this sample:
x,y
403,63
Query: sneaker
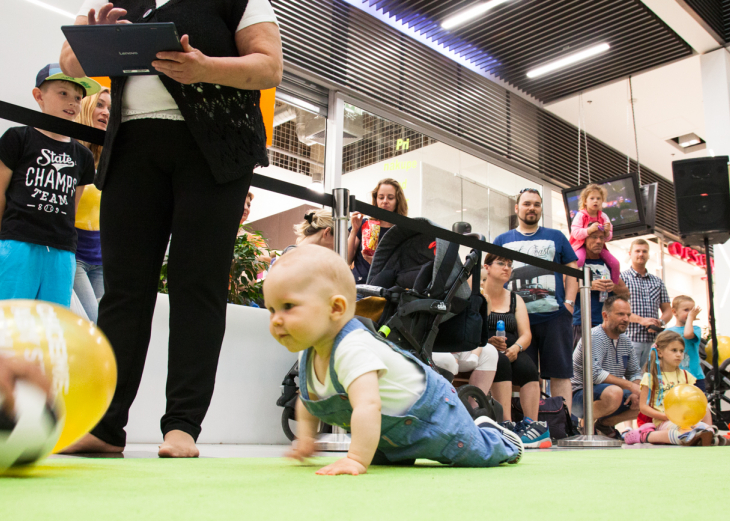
x,y
534,435
718,440
697,436
509,425
485,422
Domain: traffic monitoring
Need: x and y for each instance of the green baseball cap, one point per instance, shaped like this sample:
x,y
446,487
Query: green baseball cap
x,y
53,71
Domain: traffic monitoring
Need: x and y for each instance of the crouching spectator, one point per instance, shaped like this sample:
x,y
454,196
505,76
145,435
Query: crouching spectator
x,y
616,371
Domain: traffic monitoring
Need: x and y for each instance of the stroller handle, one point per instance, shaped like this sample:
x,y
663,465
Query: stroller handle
x,y
367,290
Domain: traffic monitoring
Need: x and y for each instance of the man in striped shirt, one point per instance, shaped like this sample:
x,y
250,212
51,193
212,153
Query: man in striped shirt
x,y
616,371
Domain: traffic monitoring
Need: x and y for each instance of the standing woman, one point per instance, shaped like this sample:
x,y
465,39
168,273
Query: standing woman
x,y
89,279
388,195
178,159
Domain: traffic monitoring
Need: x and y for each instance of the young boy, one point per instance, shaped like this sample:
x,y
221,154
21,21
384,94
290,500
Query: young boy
x,y
685,311
42,177
396,408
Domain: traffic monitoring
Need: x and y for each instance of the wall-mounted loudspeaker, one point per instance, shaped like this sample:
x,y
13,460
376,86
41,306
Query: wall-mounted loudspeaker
x,y
702,192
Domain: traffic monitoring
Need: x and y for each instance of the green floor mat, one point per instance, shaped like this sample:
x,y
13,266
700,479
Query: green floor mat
x,y
673,483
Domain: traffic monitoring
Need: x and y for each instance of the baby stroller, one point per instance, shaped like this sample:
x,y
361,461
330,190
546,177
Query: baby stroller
x,y
416,296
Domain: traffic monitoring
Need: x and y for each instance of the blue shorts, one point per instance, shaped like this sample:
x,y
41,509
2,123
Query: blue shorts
x,y
701,385
32,271
597,392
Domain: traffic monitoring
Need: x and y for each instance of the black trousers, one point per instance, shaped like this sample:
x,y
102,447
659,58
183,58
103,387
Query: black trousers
x,y
520,372
158,185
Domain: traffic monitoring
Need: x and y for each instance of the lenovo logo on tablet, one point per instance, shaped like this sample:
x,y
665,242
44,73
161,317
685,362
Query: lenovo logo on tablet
x,y
128,53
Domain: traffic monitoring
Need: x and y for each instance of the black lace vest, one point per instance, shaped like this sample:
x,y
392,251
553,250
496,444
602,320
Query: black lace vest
x,y
226,122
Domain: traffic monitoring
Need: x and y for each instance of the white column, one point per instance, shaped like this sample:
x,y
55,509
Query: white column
x,y
715,68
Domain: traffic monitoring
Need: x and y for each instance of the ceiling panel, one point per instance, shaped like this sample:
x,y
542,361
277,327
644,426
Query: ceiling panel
x,y
520,35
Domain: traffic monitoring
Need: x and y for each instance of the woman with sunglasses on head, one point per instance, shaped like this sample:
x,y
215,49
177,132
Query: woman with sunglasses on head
x,y
514,366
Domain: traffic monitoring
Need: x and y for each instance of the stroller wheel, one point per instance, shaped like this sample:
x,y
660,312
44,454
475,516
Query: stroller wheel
x,y
288,421
287,417
485,406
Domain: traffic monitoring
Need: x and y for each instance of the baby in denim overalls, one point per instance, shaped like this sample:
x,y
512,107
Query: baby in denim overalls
x,y
396,408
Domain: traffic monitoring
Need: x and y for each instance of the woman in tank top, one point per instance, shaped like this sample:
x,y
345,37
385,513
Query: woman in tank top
x,y
514,367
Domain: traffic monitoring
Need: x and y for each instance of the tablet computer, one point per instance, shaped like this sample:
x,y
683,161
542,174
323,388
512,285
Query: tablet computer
x,y
121,49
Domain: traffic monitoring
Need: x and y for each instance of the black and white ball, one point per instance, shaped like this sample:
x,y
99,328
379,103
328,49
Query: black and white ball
x,y
32,432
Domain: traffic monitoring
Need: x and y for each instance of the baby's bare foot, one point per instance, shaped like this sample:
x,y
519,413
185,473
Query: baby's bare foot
x,y
91,444
178,444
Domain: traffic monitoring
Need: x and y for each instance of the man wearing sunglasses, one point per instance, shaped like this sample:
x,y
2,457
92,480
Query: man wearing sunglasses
x,y
549,298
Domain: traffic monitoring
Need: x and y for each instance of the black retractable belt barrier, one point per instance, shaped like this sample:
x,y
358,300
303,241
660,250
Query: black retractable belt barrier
x,y
33,118
64,127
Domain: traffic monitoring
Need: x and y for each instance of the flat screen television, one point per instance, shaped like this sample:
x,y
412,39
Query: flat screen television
x,y
626,205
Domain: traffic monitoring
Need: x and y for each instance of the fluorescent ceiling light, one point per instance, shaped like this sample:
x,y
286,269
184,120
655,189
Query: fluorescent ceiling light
x,y
568,60
52,8
470,13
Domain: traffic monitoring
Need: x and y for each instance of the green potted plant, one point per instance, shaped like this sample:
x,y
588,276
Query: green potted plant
x,y
243,288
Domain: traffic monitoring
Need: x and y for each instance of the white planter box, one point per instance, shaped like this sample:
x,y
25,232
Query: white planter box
x,y
252,366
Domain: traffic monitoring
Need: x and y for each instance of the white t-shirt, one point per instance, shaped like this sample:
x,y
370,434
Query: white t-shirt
x,y
146,96
400,380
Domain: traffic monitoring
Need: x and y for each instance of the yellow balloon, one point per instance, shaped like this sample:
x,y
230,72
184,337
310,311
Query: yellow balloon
x,y
685,405
724,349
87,214
75,356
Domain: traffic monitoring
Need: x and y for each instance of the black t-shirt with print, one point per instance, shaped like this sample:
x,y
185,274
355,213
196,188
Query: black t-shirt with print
x,y
40,199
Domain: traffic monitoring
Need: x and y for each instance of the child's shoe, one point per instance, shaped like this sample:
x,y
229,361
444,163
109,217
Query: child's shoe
x,y
697,436
534,435
639,435
485,422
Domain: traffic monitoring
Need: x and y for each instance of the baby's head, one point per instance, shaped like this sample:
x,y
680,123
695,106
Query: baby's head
x,y
310,293
592,197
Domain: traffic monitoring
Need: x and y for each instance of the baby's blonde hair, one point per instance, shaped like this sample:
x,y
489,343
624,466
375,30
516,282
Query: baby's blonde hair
x,y
322,268
589,190
681,298
314,222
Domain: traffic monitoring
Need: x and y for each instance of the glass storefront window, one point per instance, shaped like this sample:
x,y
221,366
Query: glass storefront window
x,y
441,182
296,155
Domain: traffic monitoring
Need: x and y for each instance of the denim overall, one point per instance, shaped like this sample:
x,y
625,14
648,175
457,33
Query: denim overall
x,y
437,427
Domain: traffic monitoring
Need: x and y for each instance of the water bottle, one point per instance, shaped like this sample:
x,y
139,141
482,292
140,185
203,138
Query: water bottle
x,y
500,328
604,294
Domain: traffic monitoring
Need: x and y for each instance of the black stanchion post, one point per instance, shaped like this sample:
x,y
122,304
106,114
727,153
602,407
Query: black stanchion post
x,y
589,439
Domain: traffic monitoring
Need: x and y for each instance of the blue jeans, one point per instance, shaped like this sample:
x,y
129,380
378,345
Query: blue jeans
x,y
597,392
642,352
32,271
89,287
436,427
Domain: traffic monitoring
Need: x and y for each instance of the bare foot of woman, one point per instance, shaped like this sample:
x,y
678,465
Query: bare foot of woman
x,y
91,444
178,444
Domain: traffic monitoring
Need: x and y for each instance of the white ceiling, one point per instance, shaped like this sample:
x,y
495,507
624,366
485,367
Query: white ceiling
x,y
668,103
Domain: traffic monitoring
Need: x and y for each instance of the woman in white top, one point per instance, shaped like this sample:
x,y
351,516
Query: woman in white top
x,y
178,159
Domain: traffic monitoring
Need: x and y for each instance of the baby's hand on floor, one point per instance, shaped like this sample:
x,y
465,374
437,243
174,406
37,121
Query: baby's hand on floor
x,y
301,449
343,466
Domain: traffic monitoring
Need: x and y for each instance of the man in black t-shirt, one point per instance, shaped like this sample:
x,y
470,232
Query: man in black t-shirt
x,y
42,177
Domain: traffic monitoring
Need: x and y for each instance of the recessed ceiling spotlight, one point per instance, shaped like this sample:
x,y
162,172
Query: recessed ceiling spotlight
x,y
470,14
52,8
568,60
688,143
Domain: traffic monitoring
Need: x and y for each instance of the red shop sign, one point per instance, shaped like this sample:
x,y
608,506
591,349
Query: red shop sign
x,y
688,254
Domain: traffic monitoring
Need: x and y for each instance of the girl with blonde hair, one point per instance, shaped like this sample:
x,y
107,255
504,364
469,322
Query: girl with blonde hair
x,y
89,279
589,220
